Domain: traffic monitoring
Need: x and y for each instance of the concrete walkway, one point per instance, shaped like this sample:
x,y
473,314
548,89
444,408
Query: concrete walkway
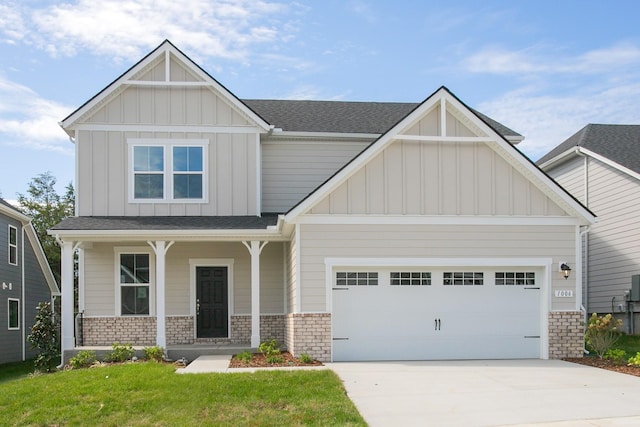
x,y
220,364
491,393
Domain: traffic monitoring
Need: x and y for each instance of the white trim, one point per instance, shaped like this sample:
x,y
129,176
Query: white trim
x,y
258,172
278,133
437,139
168,128
165,83
433,220
609,162
14,246
179,235
135,250
210,262
24,296
298,269
9,328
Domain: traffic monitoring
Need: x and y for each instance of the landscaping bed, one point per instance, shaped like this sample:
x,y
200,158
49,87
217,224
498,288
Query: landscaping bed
x,y
605,364
259,360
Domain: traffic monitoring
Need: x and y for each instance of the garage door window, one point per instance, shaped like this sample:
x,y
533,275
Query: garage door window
x,y
458,278
515,278
357,278
413,278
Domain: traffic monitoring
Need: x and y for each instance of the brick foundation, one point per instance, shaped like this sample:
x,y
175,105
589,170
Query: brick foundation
x,y
104,331
179,330
566,334
271,327
309,333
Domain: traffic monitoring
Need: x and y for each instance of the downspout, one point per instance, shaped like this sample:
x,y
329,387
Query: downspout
x,y
24,325
585,264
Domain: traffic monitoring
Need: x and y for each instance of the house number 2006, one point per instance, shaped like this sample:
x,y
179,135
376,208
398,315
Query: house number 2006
x,y
564,293
7,286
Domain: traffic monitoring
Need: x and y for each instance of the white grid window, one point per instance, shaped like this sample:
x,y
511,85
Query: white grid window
x,y
410,278
357,278
13,245
515,278
466,278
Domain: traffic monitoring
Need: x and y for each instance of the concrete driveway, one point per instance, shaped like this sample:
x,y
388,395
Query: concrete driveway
x,y
490,393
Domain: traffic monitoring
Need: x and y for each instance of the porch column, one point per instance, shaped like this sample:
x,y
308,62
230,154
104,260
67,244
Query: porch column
x,y
160,248
255,248
66,276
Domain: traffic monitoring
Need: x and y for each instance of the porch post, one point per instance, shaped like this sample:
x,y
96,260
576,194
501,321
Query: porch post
x,y
255,248
68,337
160,248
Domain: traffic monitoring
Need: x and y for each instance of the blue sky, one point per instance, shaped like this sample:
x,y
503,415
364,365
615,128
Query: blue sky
x,y
543,68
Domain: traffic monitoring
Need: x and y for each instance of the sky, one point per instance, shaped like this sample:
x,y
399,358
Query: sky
x,y
543,68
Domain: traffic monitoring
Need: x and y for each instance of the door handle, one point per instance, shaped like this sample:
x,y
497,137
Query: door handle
x,y
437,323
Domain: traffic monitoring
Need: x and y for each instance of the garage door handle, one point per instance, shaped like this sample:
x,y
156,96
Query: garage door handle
x,y
437,324
340,339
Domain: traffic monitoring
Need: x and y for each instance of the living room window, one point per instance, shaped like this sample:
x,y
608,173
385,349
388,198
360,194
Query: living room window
x,y
14,314
13,245
135,283
168,170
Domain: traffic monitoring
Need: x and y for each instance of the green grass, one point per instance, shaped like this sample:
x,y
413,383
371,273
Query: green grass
x,y
17,370
629,343
151,394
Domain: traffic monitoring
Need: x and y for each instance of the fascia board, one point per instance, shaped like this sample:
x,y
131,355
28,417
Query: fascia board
x,y
609,162
42,259
560,158
178,235
15,214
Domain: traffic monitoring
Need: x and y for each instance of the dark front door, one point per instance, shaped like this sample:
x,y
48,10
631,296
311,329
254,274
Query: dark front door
x,y
212,309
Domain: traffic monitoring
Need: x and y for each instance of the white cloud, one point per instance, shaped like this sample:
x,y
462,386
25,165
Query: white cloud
x,y
27,119
126,29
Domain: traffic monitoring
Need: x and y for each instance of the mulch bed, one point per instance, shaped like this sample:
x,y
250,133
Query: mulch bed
x,y
606,364
259,361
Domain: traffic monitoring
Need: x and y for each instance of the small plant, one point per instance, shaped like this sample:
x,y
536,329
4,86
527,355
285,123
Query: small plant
x,y
269,348
155,353
120,353
305,358
275,359
601,333
44,338
635,360
245,356
616,355
83,359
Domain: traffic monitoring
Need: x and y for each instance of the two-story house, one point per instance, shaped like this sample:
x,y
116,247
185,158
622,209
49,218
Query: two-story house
x,y
25,281
345,230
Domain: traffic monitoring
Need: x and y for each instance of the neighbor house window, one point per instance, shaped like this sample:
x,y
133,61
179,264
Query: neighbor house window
x,y
168,170
466,278
134,284
357,278
14,314
13,245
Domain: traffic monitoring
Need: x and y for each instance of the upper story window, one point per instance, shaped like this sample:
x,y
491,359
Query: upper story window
x,y
13,245
168,170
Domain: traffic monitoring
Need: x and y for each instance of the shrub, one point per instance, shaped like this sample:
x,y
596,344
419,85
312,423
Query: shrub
x,y
616,355
44,338
305,358
83,359
275,359
635,360
120,352
245,356
269,348
155,353
601,333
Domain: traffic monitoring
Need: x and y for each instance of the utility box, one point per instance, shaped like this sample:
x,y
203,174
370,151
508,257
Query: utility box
x,y
635,288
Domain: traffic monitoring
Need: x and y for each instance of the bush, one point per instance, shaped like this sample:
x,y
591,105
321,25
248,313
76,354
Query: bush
x,y
305,358
601,333
120,353
635,360
275,359
269,348
83,359
616,355
44,338
155,353
245,356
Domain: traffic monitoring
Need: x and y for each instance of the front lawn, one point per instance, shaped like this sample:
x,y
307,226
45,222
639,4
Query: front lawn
x,y
628,343
144,394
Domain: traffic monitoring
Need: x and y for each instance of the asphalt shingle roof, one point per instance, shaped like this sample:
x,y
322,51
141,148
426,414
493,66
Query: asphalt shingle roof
x,y
620,143
342,116
167,223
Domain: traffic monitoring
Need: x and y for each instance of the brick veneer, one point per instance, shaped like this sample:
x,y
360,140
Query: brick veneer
x,y
271,327
107,330
566,334
179,330
309,333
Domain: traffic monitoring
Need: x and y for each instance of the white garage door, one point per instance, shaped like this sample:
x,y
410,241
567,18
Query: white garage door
x,y
436,314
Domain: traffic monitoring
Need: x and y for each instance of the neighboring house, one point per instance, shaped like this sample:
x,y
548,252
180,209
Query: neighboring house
x,y
25,281
345,230
600,166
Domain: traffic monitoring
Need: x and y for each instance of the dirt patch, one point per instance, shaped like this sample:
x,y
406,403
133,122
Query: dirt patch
x,y
259,360
605,364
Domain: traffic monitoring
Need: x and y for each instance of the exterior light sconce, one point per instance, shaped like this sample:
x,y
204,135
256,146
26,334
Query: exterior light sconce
x,y
565,269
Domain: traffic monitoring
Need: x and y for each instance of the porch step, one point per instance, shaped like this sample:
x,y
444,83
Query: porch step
x,y
193,351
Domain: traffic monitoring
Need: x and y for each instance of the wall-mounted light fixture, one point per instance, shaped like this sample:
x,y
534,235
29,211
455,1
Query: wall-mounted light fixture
x,y
565,269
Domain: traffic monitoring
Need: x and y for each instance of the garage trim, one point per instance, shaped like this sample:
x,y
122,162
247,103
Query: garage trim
x,y
545,284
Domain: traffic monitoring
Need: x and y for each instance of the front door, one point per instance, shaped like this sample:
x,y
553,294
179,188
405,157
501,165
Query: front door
x,y
212,309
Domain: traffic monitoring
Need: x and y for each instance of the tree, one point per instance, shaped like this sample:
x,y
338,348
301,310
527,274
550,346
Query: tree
x,y
44,338
47,208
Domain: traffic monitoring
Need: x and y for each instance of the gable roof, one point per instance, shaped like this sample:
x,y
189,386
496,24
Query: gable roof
x,y
10,210
346,117
443,96
618,143
165,48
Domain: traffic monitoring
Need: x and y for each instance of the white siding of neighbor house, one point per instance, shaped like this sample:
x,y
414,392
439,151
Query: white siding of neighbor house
x,y
570,175
291,169
443,178
102,155
100,286
430,241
